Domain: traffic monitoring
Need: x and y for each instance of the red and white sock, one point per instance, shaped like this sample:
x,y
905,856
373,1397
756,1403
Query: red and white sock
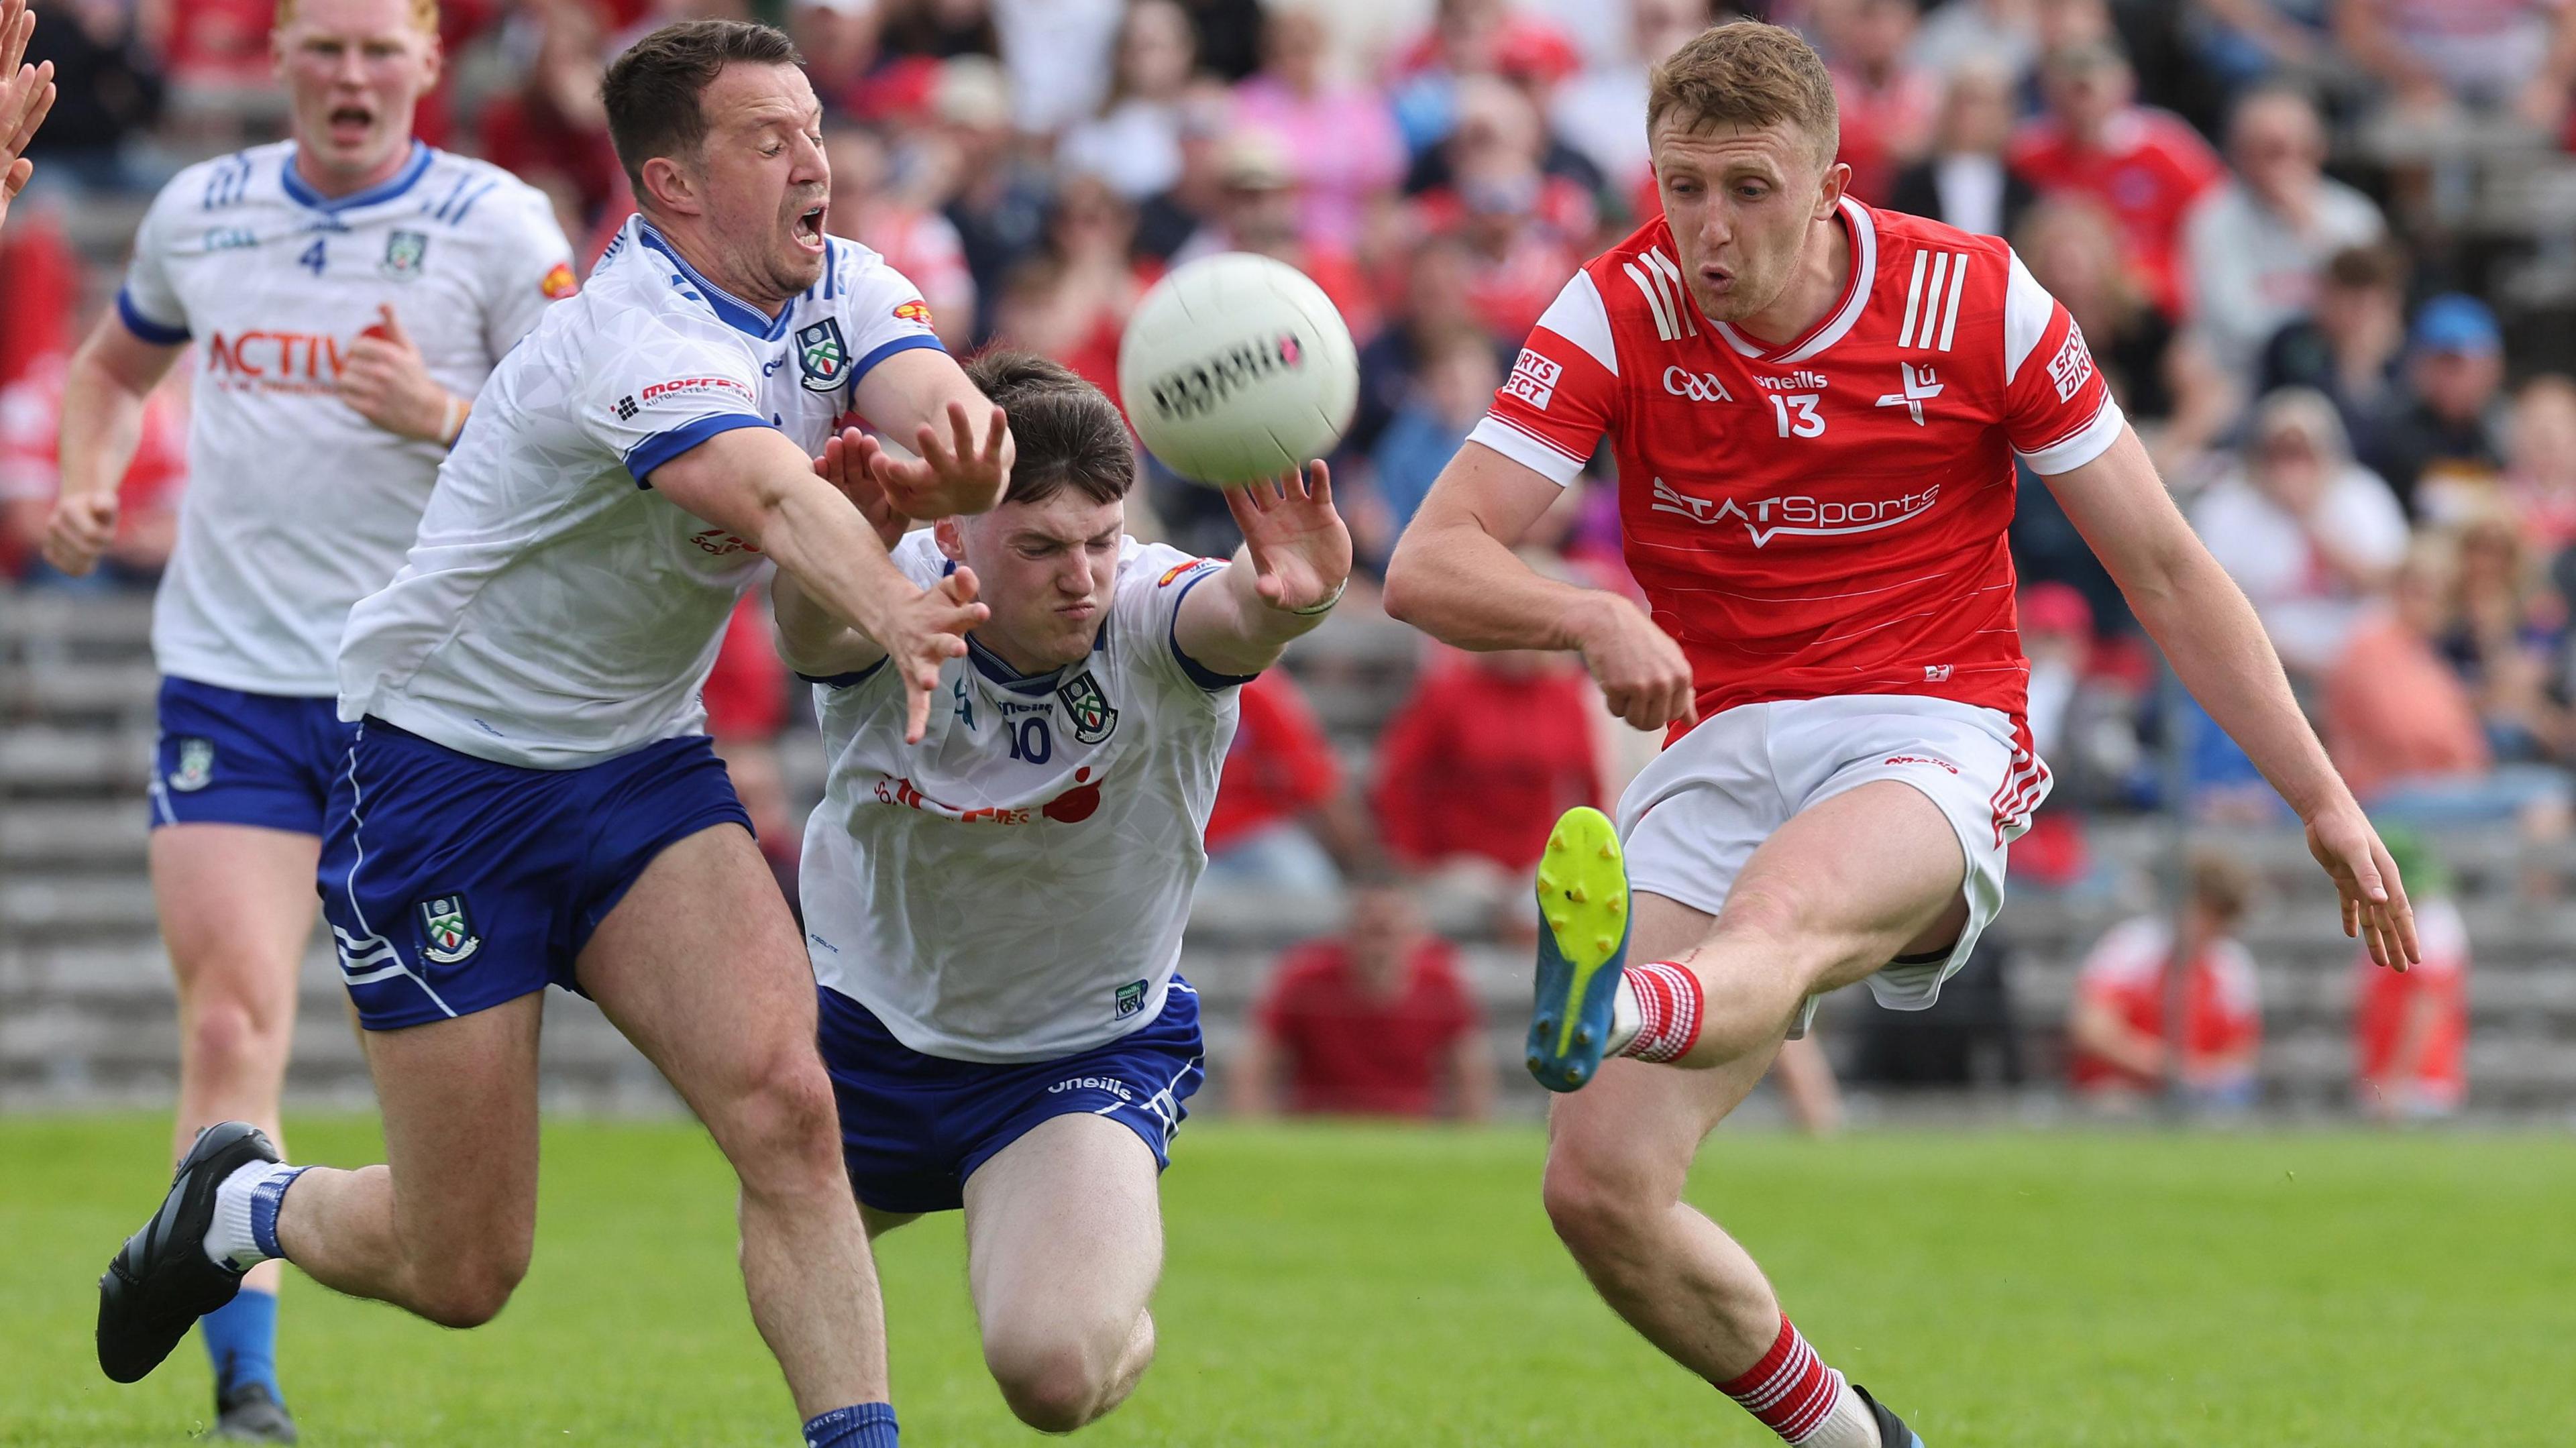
x,y
1668,1006
1798,1397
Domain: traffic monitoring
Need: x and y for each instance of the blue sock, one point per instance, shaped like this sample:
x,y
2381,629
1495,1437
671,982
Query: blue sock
x,y
241,1337
863,1425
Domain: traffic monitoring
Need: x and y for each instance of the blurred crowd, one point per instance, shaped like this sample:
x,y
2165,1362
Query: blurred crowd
x,y
2312,242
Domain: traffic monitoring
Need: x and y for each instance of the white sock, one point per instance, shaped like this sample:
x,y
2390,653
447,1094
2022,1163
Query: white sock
x,y
1626,1018
230,1242
1849,1425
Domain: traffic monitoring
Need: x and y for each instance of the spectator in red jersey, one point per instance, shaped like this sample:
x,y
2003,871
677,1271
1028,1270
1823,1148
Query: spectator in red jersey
x,y
2410,1029
147,501
1887,101
1071,301
1281,815
2145,166
1342,148
40,283
2120,1044
1964,180
1374,1023
914,238
1476,766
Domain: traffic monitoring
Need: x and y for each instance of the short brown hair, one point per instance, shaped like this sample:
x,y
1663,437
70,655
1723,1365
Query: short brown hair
x,y
1065,433
652,91
2372,266
1745,73
424,15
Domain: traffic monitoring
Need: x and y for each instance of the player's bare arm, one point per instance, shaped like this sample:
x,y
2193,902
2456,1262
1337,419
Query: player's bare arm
x,y
26,93
109,377
1454,576
2196,613
386,380
1294,563
811,638
962,441
756,483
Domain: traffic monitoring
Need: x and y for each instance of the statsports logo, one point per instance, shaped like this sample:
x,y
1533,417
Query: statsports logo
x,y
1796,514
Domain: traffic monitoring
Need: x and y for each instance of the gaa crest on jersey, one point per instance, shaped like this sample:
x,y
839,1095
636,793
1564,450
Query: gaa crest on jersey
x,y
196,766
1130,998
1086,708
822,357
405,251
446,933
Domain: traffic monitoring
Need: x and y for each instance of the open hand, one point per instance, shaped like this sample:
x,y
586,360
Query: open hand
x,y
2375,907
842,465
81,528
1301,550
386,380
26,93
924,632
952,476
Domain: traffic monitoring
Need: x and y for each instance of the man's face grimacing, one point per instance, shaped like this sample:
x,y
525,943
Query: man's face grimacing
x,y
1742,203
1045,569
761,179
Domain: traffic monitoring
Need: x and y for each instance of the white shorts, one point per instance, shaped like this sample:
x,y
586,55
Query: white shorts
x,y
1694,816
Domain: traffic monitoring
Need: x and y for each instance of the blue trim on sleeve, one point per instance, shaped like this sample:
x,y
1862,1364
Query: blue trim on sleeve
x,y
885,350
661,447
143,326
1200,674
843,681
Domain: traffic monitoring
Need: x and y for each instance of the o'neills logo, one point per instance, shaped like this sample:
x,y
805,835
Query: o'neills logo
x,y
1197,388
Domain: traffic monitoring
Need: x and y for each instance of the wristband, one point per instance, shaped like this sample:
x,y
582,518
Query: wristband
x,y
452,426
1326,606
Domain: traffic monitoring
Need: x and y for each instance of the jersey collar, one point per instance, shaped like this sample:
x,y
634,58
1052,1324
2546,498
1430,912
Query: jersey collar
x,y
302,194
733,311
1855,300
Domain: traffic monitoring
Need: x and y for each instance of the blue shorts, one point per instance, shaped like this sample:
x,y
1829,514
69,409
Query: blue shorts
x,y
454,884
914,1127
230,758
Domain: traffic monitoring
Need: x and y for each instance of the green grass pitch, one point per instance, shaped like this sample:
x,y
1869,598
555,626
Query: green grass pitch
x,y
1332,1286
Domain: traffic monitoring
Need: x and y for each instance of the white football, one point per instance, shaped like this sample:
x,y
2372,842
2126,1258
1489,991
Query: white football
x,y
1236,367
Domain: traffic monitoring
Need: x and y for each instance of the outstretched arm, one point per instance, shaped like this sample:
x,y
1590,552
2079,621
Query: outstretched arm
x,y
26,93
812,639
757,484
1454,576
2195,612
1295,560
963,441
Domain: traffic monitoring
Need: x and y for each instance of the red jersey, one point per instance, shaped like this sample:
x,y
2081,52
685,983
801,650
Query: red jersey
x,y
2149,169
1353,1053
1279,766
1482,759
2385,999
1827,517
2127,973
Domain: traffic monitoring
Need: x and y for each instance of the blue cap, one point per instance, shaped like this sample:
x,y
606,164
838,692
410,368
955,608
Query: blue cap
x,y
2453,322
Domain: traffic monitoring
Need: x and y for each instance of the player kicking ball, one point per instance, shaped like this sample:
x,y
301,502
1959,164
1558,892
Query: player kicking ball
x,y
1816,407
995,903
528,796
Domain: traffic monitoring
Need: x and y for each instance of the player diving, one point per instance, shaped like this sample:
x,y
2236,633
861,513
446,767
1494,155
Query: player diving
x,y
1816,408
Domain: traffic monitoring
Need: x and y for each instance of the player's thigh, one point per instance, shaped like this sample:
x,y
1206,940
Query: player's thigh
x,y
459,1099
1064,1234
236,904
701,966
1853,881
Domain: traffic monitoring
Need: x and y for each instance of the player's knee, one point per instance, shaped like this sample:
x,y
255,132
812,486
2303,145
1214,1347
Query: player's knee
x,y
785,1131
1054,1386
472,1291
226,1035
1603,1205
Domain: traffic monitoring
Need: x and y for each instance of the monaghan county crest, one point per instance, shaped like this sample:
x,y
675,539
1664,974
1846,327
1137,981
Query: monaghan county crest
x,y
822,356
196,766
1130,998
404,253
1086,708
447,936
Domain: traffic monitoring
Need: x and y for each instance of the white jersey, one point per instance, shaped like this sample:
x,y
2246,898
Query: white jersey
x,y
296,506
556,611
1013,887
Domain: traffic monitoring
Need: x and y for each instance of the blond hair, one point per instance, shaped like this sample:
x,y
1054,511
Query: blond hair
x,y
424,15
1748,74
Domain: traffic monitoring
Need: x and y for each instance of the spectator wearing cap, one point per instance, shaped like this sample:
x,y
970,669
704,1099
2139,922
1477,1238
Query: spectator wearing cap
x,y
2442,447
2410,1028
1886,101
2404,729
1134,144
2120,1042
2145,166
2257,242
1964,181
2352,344
1340,142
2309,534
1376,1021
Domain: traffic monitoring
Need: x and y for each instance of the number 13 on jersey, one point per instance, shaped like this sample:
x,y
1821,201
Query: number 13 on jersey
x,y
1796,413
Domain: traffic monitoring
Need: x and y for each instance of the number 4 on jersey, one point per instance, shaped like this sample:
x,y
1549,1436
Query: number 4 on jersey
x,y
313,258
